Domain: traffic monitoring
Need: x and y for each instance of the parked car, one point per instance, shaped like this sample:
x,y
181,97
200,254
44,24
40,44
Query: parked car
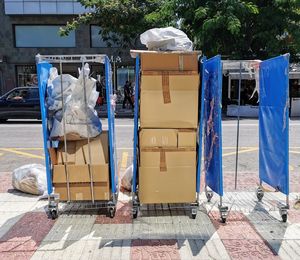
x,y
20,103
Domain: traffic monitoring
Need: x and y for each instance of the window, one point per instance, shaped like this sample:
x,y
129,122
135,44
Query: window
x,y
26,76
96,39
18,94
42,36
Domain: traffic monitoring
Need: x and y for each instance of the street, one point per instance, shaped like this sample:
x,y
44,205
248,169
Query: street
x,y
21,143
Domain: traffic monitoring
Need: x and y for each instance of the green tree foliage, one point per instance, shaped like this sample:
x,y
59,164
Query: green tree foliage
x,y
243,29
122,21
237,29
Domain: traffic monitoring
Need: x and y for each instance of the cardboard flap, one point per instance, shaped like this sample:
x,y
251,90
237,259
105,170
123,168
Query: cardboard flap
x,y
166,87
163,164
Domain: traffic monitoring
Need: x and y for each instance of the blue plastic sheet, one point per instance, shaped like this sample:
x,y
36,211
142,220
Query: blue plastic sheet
x,y
274,122
212,120
43,75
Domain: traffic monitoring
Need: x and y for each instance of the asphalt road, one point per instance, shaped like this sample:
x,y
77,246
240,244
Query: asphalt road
x,y
21,143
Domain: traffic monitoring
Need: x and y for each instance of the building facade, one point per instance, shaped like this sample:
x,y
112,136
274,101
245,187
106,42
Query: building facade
x,y
29,27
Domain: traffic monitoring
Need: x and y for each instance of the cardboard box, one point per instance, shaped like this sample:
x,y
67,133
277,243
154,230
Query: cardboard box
x,y
80,183
167,138
169,100
167,175
82,191
158,138
172,61
80,172
168,157
187,138
176,185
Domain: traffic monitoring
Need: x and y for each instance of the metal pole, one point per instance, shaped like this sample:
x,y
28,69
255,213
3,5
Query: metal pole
x,y
88,133
238,128
64,128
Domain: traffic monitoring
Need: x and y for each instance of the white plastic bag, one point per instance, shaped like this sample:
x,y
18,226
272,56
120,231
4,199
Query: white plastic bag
x,y
166,39
126,180
30,178
76,114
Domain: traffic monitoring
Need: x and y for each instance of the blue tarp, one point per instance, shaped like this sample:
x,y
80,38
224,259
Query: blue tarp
x,y
274,122
212,120
43,75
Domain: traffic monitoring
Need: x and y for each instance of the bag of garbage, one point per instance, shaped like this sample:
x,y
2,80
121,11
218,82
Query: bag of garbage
x,y
126,180
54,93
166,39
30,178
77,113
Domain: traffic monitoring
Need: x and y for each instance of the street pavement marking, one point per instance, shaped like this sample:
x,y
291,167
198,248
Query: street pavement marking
x,y
11,150
295,152
27,148
243,151
124,160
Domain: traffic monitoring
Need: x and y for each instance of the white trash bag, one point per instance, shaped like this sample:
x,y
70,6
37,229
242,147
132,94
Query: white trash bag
x,y
30,178
126,180
166,39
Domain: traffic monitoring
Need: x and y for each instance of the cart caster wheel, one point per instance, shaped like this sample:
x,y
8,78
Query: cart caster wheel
x,y
194,216
284,218
134,213
259,194
223,220
53,214
111,212
209,195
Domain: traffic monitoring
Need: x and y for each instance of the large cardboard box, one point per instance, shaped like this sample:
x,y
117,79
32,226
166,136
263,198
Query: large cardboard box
x,y
80,173
158,138
167,175
187,138
80,183
167,138
172,61
169,100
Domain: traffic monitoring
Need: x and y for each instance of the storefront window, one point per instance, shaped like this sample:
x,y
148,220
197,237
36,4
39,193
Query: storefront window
x,y
123,75
26,76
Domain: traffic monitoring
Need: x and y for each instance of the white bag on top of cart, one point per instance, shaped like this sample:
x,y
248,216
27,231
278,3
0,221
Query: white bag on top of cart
x,y
30,178
166,39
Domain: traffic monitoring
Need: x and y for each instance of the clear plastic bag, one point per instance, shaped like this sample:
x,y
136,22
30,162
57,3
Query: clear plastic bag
x,y
76,112
30,178
166,39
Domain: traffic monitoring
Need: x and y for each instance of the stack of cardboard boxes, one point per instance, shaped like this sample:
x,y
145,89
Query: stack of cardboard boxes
x,y
168,127
84,171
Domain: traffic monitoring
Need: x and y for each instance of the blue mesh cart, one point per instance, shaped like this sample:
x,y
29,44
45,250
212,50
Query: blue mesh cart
x,y
44,63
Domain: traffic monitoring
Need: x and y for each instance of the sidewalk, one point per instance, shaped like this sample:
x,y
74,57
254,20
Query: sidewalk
x,y
253,230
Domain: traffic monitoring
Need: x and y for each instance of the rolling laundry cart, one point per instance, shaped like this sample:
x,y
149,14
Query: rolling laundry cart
x,y
44,63
274,128
137,150
211,120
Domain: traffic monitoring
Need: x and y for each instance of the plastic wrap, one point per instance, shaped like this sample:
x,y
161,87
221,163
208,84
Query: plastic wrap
x,y
30,178
273,123
166,39
80,117
126,180
212,116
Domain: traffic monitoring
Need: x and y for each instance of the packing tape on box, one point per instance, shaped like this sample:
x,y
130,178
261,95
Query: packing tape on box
x,y
166,87
171,149
180,62
163,164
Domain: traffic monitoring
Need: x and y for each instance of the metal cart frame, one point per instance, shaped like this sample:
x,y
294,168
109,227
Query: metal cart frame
x,y
135,197
44,63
